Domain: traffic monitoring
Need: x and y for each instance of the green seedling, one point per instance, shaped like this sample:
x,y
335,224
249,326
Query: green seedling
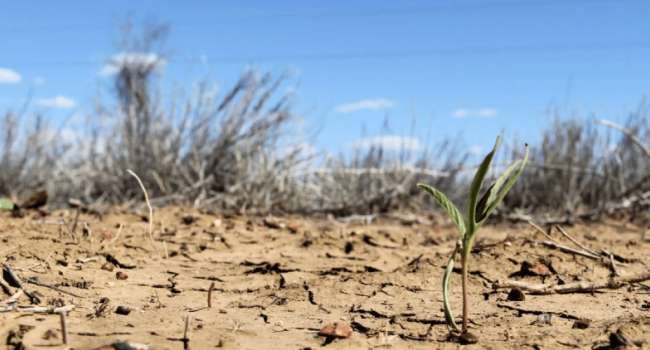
x,y
478,211
6,204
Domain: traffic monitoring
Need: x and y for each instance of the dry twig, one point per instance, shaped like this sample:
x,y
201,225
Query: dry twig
x,y
64,327
36,309
210,294
575,287
186,334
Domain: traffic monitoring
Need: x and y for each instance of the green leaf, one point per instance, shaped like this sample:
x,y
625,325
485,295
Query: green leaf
x,y
482,203
6,204
502,186
449,207
449,316
475,188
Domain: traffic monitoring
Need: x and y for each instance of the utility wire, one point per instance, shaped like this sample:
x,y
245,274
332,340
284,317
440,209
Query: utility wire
x,y
434,8
388,54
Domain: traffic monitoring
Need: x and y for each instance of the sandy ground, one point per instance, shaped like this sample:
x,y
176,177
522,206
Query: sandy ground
x,y
278,282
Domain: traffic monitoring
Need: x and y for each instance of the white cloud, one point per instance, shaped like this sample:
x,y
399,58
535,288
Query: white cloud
x,y
367,104
8,76
484,112
57,102
390,143
120,59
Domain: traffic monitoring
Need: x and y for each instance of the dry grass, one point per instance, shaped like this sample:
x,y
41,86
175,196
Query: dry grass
x,y
236,151
583,169
224,152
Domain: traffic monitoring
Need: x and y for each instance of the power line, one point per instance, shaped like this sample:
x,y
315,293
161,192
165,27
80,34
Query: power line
x,y
435,8
460,51
365,55
429,9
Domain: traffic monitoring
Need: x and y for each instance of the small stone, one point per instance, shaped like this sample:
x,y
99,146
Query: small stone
x,y
122,345
536,269
467,338
121,275
349,246
108,267
581,324
516,294
50,334
273,223
123,310
217,223
543,320
189,219
293,227
618,340
336,330
540,269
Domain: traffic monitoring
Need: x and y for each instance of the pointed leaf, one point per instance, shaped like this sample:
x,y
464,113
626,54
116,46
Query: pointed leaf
x,y
503,185
482,203
449,316
475,188
449,207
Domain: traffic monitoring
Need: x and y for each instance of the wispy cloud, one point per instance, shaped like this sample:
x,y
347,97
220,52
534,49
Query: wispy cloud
x,y
9,76
61,102
119,60
371,104
485,112
389,142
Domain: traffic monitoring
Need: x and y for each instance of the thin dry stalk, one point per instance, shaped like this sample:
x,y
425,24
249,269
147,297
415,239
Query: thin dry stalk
x,y
629,133
210,295
64,327
14,298
554,245
575,287
37,309
75,222
540,230
186,334
575,241
146,198
6,288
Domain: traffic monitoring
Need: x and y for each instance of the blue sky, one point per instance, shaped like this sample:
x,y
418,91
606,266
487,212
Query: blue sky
x,y
464,67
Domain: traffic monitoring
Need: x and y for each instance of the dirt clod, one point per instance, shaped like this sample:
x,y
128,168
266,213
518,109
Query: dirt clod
x,y
50,334
274,223
337,330
581,324
467,338
120,275
532,269
516,294
293,227
122,345
122,310
618,340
